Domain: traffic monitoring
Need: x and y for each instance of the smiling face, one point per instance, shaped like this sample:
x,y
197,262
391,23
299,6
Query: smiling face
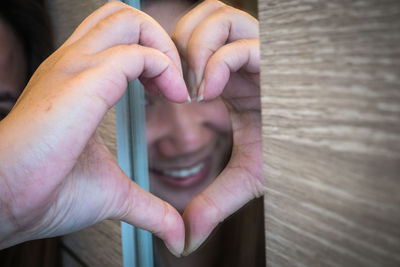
x,y
188,145
12,68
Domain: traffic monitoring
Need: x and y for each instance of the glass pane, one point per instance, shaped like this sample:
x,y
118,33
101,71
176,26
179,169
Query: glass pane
x,y
188,147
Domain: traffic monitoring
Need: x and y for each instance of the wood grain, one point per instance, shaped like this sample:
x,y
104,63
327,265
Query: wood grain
x,y
331,131
99,245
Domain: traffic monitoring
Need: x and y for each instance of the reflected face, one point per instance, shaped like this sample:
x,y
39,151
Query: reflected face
x,y
12,69
188,146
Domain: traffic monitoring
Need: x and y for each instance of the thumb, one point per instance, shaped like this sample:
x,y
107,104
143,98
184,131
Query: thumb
x,y
144,210
240,182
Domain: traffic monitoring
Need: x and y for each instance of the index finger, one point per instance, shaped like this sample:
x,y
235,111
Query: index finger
x,y
124,27
189,22
223,25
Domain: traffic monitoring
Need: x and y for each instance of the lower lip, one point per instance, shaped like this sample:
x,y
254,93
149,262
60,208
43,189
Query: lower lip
x,y
188,181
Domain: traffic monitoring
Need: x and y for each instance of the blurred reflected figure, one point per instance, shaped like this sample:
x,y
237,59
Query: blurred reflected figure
x,y
188,147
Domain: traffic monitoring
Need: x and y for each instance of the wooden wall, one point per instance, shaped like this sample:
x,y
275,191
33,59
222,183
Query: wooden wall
x,y
331,131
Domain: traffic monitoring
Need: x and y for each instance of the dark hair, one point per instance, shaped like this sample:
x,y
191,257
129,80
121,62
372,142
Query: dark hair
x,y
31,24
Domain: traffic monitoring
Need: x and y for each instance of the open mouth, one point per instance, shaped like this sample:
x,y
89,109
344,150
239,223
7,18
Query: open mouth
x,y
183,173
184,177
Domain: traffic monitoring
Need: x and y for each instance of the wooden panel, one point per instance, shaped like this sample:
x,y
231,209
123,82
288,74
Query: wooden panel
x,y
331,130
99,245
68,261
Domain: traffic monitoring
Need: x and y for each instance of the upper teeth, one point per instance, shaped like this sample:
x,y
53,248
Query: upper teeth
x,y
183,173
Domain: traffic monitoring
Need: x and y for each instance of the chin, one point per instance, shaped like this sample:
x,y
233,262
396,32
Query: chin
x,y
180,179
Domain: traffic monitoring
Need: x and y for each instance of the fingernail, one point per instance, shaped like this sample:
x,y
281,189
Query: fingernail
x,y
187,252
191,83
200,93
192,245
184,254
173,251
188,101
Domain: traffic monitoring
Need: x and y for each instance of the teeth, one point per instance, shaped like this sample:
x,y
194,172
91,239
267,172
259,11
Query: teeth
x,y
183,173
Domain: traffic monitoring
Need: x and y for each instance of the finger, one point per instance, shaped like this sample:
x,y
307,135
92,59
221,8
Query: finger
x,y
224,25
235,187
142,209
128,26
189,22
98,15
128,62
240,55
86,98
122,199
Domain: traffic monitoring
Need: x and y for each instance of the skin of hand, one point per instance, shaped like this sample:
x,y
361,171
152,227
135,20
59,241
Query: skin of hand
x,y
221,47
56,175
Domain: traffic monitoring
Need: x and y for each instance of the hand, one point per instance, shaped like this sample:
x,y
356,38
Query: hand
x,y
56,176
221,46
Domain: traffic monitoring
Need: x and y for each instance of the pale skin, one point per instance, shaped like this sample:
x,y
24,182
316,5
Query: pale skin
x,y
56,175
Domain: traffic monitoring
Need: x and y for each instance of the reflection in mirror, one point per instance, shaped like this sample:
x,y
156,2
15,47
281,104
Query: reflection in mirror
x,y
188,146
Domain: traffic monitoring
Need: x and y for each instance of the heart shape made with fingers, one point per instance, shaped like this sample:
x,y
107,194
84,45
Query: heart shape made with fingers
x,y
56,174
221,48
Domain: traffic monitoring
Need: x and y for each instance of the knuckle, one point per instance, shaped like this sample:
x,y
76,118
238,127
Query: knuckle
x,y
164,222
117,18
177,35
128,200
215,4
213,212
225,10
122,14
66,59
113,4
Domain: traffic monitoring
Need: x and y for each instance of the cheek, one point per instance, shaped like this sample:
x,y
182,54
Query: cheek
x,y
155,118
154,131
151,132
217,115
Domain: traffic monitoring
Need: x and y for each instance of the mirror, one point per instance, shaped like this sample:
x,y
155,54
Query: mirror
x,y
188,147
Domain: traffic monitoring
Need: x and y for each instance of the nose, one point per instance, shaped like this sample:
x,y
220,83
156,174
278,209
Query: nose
x,y
186,131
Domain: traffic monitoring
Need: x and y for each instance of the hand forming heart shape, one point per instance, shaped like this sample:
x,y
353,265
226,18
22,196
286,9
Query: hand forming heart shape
x,y
56,176
221,46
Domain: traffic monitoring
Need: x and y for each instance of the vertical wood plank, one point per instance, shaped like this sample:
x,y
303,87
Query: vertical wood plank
x,y
331,130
